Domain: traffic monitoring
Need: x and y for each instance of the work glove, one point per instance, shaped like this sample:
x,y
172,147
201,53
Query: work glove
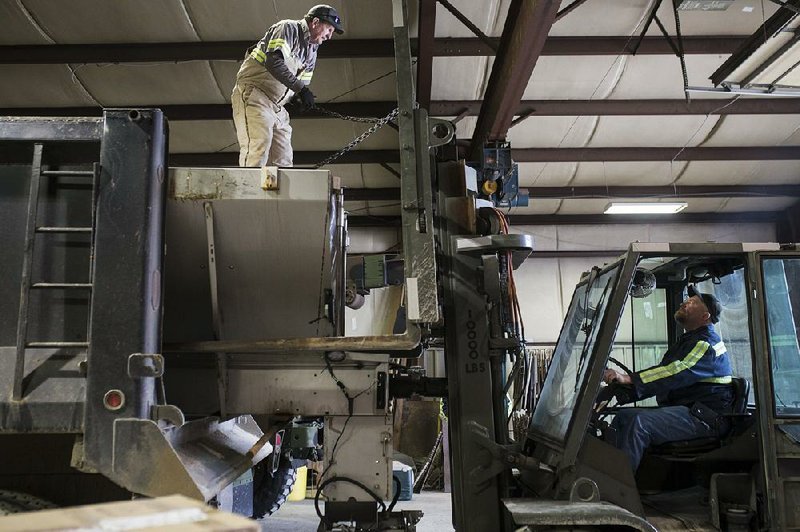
x,y
306,99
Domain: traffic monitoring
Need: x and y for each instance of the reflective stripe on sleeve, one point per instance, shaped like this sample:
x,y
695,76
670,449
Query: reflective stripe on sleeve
x,y
306,76
258,55
720,349
279,44
673,368
718,380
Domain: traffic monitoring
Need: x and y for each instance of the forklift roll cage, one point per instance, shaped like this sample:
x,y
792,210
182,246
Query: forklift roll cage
x,y
777,445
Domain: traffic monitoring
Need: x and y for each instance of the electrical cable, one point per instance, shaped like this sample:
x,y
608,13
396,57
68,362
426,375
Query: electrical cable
x,y
349,481
681,54
350,403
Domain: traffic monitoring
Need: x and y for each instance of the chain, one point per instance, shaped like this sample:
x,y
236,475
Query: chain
x,y
377,123
334,114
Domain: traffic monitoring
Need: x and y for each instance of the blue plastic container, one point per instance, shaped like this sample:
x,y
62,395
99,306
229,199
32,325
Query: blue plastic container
x,y
405,475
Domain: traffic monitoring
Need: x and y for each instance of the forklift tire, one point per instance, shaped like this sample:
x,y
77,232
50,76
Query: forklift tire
x,y
12,502
271,490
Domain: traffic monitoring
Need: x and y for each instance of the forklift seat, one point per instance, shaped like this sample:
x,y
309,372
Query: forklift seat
x,y
687,448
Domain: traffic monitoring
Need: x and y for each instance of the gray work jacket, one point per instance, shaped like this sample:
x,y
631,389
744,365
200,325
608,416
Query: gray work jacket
x,y
280,75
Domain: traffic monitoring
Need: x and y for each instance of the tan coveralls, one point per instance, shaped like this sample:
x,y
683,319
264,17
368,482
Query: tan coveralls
x,y
279,65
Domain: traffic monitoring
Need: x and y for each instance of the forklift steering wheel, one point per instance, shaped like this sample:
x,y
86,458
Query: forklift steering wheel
x,y
607,394
622,366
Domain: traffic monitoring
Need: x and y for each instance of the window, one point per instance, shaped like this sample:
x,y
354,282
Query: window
x,y
733,326
573,354
782,301
641,339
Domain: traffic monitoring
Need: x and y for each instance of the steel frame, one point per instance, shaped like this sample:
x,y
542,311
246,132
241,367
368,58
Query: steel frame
x,y
455,108
126,300
54,54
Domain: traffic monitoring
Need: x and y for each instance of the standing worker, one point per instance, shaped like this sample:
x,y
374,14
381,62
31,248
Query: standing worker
x,y
278,68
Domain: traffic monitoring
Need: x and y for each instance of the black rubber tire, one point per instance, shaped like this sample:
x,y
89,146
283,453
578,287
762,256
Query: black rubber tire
x,y
12,502
271,490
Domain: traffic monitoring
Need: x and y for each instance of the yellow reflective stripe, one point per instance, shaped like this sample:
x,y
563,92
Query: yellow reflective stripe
x,y
258,55
275,43
279,44
662,372
718,380
306,76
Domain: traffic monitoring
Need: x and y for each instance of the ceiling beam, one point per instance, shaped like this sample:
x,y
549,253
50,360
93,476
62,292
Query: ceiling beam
x,y
701,191
305,158
741,153
222,111
652,107
81,152
527,24
54,54
207,111
704,153
301,158
599,219
427,29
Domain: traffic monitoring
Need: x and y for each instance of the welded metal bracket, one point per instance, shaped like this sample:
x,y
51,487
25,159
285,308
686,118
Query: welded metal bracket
x,y
169,413
440,132
520,245
142,365
502,457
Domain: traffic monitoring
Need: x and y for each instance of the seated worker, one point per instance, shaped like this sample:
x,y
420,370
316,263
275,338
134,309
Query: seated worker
x,y
691,384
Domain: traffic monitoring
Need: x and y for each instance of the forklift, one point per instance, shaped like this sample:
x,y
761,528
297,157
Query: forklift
x,y
566,475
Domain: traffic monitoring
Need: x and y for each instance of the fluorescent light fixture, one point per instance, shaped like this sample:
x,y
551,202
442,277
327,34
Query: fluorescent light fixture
x,y
645,208
768,60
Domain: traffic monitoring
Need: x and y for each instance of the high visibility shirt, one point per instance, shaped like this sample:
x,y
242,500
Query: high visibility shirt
x,y
281,63
696,368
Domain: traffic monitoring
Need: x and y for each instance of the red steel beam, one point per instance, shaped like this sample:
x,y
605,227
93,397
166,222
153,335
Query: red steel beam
x,y
527,24
601,219
588,192
704,153
222,111
55,54
427,29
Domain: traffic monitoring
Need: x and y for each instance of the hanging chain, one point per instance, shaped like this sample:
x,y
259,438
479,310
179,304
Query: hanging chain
x,y
377,123
334,114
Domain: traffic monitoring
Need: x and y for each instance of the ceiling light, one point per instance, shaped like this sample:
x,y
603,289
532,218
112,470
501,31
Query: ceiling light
x,y
767,60
645,208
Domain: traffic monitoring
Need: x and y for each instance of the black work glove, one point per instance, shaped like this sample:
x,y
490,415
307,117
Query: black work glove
x,y
306,98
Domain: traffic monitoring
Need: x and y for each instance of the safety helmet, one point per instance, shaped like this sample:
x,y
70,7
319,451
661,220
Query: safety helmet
x,y
327,14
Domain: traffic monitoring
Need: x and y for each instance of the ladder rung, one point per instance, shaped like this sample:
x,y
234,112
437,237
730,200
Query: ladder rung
x,y
56,344
61,285
72,173
45,229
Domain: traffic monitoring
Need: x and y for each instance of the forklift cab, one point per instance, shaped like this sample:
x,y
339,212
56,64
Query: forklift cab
x,y
621,314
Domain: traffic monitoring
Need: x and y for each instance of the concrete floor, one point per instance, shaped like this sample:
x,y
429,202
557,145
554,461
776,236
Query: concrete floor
x,y
301,517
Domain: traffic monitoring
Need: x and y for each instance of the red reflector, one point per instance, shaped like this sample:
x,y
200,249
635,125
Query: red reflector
x,y
114,399
278,439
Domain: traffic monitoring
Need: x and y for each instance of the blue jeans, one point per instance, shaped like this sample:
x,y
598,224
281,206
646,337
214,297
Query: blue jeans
x,y
635,429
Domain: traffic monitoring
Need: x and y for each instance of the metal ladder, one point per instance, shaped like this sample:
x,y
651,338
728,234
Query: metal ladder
x,y
31,230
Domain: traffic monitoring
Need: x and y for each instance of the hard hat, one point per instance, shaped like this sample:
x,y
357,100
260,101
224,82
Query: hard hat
x,y
327,14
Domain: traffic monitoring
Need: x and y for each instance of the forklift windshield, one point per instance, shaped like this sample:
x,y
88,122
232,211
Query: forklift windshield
x,y
573,353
